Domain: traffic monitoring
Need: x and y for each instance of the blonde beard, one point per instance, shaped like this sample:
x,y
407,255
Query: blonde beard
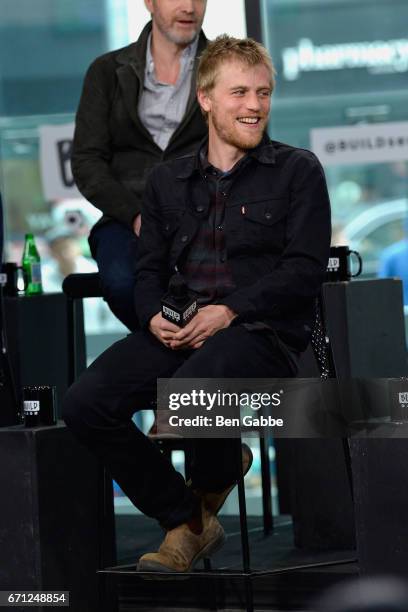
x,y
233,139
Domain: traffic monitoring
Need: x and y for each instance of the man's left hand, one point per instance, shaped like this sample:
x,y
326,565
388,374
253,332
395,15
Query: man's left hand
x,y
206,323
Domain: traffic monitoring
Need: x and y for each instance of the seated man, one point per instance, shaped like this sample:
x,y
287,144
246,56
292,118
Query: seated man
x,y
137,109
246,221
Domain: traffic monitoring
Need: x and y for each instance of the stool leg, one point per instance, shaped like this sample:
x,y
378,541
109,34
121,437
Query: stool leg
x,y
266,484
249,594
207,564
188,457
347,458
212,593
71,340
246,559
106,521
107,593
242,508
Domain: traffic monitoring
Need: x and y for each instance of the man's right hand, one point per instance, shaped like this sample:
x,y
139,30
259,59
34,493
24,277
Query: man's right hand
x,y
162,329
137,224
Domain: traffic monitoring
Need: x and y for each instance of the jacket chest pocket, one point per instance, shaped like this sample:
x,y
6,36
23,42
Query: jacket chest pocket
x,y
260,224
171,220
176,232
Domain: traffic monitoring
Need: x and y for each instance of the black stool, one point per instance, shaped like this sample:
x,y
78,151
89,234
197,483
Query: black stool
x,y
79,286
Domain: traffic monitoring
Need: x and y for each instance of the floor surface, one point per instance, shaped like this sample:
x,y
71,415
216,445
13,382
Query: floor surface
x,y
298,576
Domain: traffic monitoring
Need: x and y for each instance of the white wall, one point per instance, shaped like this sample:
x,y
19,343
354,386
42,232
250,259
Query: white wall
x,y
222,16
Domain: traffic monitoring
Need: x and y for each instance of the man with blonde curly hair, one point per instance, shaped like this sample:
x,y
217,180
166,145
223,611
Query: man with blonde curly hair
x,y
239,219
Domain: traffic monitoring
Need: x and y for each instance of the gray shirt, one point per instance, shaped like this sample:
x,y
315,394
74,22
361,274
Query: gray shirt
x,y
162,106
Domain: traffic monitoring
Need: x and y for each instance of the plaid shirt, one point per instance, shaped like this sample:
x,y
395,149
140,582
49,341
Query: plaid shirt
x,y
206,268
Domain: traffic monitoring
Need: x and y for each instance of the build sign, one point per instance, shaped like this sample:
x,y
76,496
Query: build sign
x,y
361,144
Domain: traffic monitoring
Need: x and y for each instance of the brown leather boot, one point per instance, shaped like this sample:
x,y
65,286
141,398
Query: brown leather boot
x,y
185,545
214,501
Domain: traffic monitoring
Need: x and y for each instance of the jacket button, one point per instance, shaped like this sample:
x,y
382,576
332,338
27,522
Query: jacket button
x,y
222,258
184,238
268,216
220,228
167,227
199,208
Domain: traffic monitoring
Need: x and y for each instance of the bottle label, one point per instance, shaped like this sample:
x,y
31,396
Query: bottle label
x,y
31,407
36,273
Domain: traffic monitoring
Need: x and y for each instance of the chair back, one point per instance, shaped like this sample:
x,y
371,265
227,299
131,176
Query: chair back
x,y
320,343
82,285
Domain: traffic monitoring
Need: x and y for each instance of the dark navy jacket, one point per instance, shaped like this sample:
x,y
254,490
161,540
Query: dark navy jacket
x,y
277,225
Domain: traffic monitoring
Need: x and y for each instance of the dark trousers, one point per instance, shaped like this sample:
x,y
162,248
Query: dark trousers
x,y
99,407
114,247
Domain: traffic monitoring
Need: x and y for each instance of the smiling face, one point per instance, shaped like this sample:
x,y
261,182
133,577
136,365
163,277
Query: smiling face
x,y
177,20
238,105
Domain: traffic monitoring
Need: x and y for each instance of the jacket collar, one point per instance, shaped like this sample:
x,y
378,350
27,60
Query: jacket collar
x,y
264,153
192,98
132,62
135,53
130,74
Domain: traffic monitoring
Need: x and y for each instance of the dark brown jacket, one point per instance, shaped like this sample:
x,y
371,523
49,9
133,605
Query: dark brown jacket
x,y
113,152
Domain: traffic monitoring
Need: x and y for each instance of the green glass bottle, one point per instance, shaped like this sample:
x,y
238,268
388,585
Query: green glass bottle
x,y
31,267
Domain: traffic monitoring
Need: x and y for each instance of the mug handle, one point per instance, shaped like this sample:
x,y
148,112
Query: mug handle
x,y
360,263
20,276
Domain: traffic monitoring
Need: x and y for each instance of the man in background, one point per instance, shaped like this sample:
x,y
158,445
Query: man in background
x,y
138,107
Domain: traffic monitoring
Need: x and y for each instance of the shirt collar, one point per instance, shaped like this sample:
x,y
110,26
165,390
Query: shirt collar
x,y
187,56
208,168
263,153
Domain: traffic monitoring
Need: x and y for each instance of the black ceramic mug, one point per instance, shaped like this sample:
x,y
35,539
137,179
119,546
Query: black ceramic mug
x,y
339,266
10,272
39,405
398,397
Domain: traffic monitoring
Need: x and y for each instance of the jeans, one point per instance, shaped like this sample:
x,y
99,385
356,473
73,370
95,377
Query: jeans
x,y
99,407
114,247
